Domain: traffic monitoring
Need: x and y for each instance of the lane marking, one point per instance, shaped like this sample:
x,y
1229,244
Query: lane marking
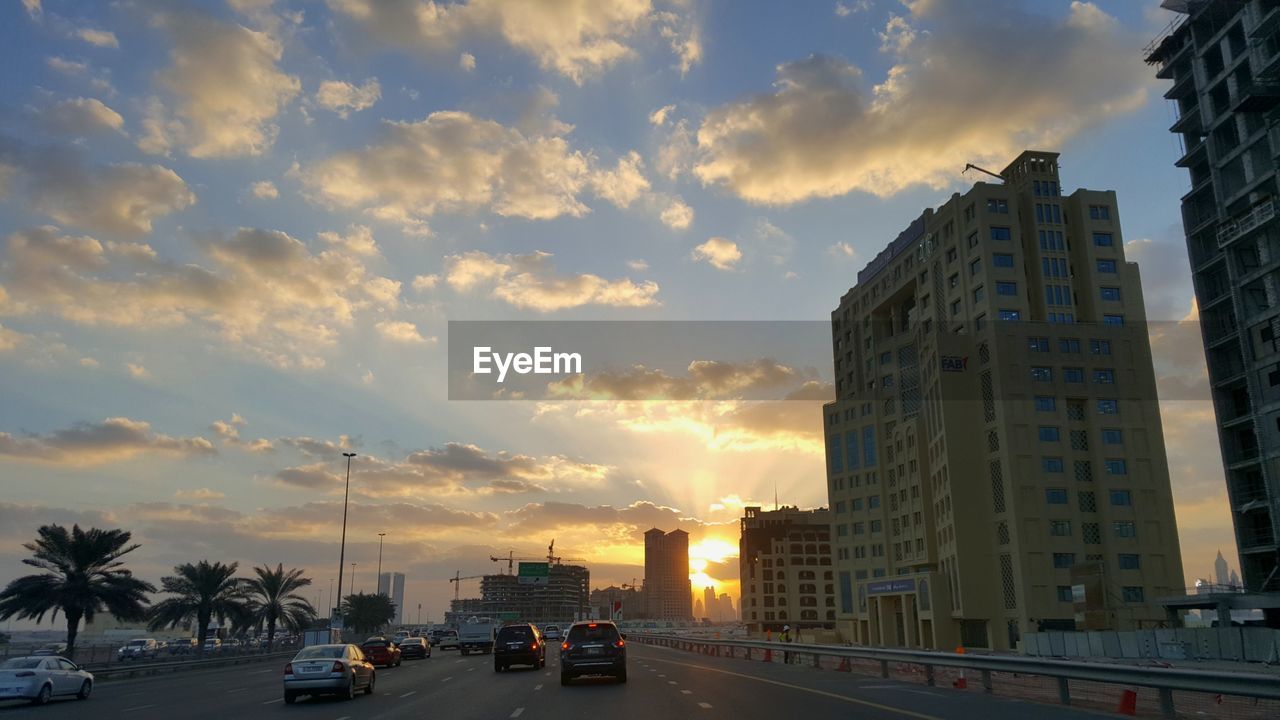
x,y
140,707
345,717
687,692
672,682
823,693
411,692
259,672
447,679
470,669
661,674
537,687
704,706
236,690
273,702
519,711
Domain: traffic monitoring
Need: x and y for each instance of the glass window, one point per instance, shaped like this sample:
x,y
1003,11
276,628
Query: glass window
x,y
1117,466
1051,464
1125,529
873,502
1121,498
975,267
1073,375
1112,436
1060,528
1108,406
1004,260
1107,266
1099,212
955,308
1116,320
1001,233
1042,374
1133,594
877,526
998,205
857,504
979,293
1130,561
1055,496
835,456
1064,560
953,281
859,528
886,358
1110,293
1049,433
1069,345
1100,347
1006,288
1010,315
1064,594
1102,239
1046,403
1104,376
1038,344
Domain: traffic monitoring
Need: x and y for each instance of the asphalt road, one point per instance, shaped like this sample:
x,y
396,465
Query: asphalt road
x,y
662,683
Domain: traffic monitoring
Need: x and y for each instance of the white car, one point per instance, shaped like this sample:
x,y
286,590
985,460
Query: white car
x,y
41,678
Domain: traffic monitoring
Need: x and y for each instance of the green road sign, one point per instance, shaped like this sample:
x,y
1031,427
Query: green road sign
x,y
534,573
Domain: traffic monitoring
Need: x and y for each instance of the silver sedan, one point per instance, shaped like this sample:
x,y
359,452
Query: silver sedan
x,y
328,670
41,678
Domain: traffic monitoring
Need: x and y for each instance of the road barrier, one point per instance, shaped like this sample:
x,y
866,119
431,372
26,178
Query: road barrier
x,y
1211,684
128,670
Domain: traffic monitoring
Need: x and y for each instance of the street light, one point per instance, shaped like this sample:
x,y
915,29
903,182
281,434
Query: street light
x,y
342,554
353,576
380,536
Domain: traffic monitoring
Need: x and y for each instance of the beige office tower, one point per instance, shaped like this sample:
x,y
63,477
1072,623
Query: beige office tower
x,y
995,458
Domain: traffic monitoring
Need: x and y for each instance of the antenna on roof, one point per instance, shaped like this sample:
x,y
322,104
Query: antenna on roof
x,y
971,166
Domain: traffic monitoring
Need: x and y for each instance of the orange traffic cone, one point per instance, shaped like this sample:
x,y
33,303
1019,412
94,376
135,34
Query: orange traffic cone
x,y
1128,702
960,683
768,652
844,665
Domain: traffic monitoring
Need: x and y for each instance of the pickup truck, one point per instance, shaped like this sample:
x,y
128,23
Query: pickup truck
x,y
476,637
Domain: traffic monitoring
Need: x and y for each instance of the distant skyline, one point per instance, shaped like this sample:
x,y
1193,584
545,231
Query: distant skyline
x,y
215,277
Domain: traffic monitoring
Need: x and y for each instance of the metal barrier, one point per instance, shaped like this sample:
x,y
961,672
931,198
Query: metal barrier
x,y
1163,680
127,670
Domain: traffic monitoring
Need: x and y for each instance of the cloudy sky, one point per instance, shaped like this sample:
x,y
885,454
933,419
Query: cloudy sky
x,y
233,237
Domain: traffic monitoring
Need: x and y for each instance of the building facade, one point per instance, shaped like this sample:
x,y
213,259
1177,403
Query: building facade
x,y
1224,60
667,590
617,603
995,457
785,569
391,584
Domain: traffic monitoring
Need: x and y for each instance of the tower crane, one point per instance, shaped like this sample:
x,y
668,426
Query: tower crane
x,y
551,558
457,581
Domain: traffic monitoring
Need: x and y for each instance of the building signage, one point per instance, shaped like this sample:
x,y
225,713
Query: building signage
x,y
954,363
534,573
883,587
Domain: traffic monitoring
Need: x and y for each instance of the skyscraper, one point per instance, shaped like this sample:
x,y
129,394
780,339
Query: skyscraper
x,y
995,457
1224,60
784,569
1221,575
667,590
392,585
710,607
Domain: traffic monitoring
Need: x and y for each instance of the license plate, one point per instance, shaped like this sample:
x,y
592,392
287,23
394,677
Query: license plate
x,y
595,651
312,668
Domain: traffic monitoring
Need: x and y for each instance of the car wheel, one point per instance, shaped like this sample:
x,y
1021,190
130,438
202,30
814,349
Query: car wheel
x,y
428,654
350,692
564,678
290,697
369,688
46,692
622,676
542,661
85,688
497,666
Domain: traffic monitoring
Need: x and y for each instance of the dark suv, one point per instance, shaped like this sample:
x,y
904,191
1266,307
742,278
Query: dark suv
x,y
518,645
593,648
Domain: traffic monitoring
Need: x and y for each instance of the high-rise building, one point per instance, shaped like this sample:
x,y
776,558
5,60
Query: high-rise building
x,y
1223,57
995,457
564,597
710,605
392,585
1220,572
785,570
667,589
727,613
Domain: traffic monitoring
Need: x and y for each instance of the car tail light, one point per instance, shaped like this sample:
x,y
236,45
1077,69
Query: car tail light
x,y
533,646
564,646
619,643
288,669
24,673
337,667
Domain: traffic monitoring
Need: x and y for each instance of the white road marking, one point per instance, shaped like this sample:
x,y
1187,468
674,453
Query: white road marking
x,y
411,692
458,661
519,711
672,682
259,672
662,675
704,706
345,717
447,679
687,692
273,702
236,690
470,669
537,687
140,707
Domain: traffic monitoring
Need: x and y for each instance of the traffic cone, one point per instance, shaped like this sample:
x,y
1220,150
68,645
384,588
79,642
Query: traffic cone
x,y
768,652
1128,702
960,683
844,665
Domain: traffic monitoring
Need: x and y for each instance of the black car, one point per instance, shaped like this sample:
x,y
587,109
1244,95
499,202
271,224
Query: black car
x,y
518,645
593,648
414,648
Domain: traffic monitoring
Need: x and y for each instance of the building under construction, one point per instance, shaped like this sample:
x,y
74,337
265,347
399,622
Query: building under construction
x,y
541,592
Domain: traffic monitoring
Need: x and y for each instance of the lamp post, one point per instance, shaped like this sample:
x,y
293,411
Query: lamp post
x,y
381,535
353,576
419,613
342,553
330,594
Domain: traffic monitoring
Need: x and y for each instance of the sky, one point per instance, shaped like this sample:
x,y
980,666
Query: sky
x,y
232,236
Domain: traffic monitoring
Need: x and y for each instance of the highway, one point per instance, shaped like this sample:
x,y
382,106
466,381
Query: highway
x,y
662,683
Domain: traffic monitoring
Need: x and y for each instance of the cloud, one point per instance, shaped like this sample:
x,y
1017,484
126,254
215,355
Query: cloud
x,y
344,98
33,8
110,440
576,38
842,250
423,283
122,199
845,8
618,524
530,281
99,38
721,253
638,265
264,190
822,132
677,215
198,494
225,108
83,116
10,339
705,380
89,362
659,116
467,61
259,290
137,372
98,78
623,185
358,240
401,332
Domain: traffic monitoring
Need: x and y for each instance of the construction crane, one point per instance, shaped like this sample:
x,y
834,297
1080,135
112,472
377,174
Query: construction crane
x,y
551,558
457,581
971,166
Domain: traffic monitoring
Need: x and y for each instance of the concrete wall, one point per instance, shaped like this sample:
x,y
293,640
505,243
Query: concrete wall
x,y
1244,644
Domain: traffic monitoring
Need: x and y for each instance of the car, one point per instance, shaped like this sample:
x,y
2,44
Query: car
x,y
139,649
50,649
593,648
415,647
518,644
328,670
212,645
445,639
40,678
553,632
381,651
183,646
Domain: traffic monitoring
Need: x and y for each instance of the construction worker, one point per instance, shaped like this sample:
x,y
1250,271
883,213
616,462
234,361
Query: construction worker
x,y
786,638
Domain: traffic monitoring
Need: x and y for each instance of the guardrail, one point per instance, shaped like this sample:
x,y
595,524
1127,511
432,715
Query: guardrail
x,y
127,670
1162,679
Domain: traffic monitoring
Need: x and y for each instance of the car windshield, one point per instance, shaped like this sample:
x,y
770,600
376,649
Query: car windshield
x,y
320,651
588,633
137,643
412,641
517,632
374,644
21,664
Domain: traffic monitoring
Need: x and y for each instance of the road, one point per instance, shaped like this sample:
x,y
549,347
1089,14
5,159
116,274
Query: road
x,y
662,683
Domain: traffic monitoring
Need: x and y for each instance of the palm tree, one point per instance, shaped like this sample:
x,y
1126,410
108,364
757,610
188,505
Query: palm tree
x,y
83,576
366,613
204,592
272,600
